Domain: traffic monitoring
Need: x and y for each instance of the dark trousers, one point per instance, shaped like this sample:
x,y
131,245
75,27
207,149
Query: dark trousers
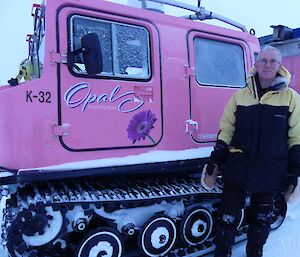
x,y
260,219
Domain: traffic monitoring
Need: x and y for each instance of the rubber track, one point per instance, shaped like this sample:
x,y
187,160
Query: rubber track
x,y
110,195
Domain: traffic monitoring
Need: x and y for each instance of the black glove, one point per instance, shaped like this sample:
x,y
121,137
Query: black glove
x,y
290,180
210,168
217,156
220,152
13,82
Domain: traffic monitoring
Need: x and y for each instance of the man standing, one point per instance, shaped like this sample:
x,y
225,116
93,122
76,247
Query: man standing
x,y
257,152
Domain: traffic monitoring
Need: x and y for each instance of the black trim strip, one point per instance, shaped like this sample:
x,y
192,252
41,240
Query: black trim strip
x,y
160,168
6,180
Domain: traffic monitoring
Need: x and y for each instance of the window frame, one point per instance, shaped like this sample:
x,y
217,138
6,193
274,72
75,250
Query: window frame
x,y
106,75
221,41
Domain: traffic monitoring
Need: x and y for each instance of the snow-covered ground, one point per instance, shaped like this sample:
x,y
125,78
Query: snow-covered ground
x,y
2,204
283,242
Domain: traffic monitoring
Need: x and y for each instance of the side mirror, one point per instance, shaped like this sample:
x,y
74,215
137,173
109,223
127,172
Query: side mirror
x,y
92,55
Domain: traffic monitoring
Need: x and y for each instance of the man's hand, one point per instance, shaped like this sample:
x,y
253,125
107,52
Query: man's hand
x,y
289,192
209,174
291,182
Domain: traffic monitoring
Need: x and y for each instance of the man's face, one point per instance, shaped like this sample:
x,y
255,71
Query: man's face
x,y
267,65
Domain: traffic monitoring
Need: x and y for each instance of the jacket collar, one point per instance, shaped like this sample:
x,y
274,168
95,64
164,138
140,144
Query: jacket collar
x,y
280,83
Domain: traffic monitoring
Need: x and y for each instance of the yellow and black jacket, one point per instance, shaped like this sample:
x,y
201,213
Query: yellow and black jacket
x,y
262,131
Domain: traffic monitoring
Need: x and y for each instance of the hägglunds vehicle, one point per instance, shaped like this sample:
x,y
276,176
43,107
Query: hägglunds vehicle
x,y
103,144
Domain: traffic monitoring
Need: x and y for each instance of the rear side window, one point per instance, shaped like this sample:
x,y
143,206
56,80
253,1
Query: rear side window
x,y
219,63
125,48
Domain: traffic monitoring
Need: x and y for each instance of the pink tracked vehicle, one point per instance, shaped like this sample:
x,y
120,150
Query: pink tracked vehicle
x,y
103,144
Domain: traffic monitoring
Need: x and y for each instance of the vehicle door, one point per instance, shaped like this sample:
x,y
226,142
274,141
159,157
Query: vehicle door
x,y
220,64
121,106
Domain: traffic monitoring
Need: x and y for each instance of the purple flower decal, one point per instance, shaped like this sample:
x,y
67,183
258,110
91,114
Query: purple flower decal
x,y
140,125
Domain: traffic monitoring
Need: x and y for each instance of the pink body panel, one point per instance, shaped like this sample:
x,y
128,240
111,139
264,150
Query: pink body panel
x,y
28,135
292,63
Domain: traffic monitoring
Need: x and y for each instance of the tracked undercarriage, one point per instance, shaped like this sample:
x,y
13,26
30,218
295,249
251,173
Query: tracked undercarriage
x,y
147,217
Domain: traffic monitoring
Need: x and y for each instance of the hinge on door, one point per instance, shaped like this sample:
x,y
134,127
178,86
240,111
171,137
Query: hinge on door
x,y
58,58
61,130
191,125
189,71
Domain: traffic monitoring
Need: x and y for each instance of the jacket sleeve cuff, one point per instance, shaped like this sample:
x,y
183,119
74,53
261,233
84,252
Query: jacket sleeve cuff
x,y
220,152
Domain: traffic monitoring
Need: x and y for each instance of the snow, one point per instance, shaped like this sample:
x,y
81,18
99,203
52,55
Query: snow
x,y
2,204
123,217
282,242
6,174
150,157
50,232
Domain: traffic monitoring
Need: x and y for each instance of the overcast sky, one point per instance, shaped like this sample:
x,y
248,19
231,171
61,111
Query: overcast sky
x,y
16,23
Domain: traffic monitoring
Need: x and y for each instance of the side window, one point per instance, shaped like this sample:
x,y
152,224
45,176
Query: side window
x,y
125,48
219,63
